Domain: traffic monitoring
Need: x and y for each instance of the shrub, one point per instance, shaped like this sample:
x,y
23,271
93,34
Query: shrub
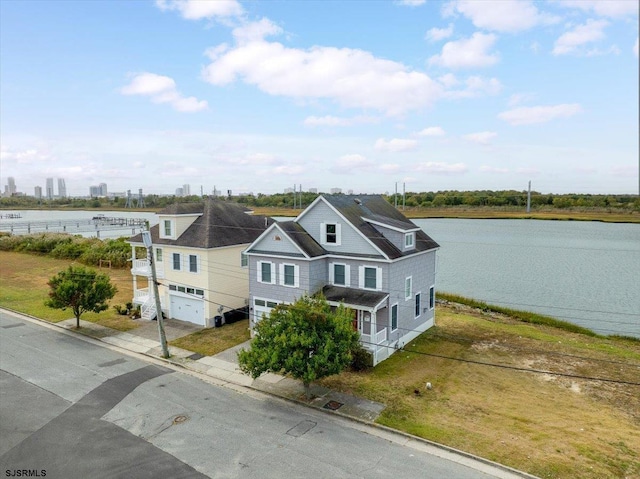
x,y
362,359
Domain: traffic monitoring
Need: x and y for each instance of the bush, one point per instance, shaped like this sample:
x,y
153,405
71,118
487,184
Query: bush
x,y
362,359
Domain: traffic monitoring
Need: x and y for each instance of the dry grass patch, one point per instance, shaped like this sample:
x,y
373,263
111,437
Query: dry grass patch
x,y
546,424
24,288
212,341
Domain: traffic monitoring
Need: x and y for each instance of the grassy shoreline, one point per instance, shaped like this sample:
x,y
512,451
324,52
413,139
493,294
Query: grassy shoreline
x,y
514,388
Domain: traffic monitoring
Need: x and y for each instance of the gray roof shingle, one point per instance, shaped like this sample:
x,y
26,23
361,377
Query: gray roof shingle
x,y
220,224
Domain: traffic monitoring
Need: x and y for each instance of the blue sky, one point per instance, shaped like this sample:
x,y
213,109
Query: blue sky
x,y
259,96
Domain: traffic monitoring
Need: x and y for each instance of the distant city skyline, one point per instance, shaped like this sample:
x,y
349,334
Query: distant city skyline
x,y
259,96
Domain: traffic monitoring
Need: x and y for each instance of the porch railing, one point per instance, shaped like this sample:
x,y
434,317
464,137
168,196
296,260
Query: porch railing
x,y
377,338
142,268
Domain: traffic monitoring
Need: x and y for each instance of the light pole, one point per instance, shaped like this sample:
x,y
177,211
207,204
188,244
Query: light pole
x,y
146,239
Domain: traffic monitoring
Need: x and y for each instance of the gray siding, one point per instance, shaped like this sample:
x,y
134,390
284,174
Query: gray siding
x,y
318,275
270,243
350,239
395,237
422,270
277,291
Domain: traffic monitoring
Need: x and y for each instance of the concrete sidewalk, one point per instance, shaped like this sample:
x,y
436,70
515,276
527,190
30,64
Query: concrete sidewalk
x,y
224,366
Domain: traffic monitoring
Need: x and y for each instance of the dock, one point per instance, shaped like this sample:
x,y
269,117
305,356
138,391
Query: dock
x,y
85,225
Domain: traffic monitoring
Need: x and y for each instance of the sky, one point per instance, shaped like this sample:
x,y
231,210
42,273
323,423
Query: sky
x,y
256,97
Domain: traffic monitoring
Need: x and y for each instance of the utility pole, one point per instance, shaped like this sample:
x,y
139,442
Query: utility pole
x,y
146,239
529,198
404,194
395,196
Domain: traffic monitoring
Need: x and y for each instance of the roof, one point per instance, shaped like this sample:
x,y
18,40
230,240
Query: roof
x,y
353,296
301,238
358,208
220,223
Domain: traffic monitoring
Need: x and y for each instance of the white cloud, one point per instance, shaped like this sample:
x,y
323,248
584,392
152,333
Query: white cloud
x,y
518,98
449,80
468,52
493,169
412,3
569,42
256,31
432,131
351,163
539,114
501,15
605,8
338,121
481,137
635,48
476,86
395,145
353,78
199,9
389,168
162,89
439,168
528,171
437,34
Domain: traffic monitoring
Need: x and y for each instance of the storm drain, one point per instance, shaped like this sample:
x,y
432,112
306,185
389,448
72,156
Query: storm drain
x,y
333,405
179,419
301,428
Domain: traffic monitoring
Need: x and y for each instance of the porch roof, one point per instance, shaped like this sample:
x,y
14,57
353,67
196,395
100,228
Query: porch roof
x,y
352,297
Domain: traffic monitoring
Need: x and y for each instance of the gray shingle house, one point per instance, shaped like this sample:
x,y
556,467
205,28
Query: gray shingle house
x,y
356,250
197,249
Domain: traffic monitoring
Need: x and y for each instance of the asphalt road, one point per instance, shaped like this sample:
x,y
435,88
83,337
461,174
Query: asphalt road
x,y
71,408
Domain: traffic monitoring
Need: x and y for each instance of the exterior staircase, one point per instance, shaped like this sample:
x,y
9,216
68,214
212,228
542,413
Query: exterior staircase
x,y
148,309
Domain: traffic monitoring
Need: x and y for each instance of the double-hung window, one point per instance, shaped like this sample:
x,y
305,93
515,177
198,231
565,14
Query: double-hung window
x,y
289,275
167,228
330,234
339,274
370,277
193,263
266,272
177,261
158,255
417,304
409,240
432,297
408,287
394,317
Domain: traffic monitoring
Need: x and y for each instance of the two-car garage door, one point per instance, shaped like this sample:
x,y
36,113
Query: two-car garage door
x,y
187,309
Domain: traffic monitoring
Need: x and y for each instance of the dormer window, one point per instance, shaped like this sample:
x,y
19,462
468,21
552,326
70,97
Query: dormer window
x,y
409,240
330,234
167,228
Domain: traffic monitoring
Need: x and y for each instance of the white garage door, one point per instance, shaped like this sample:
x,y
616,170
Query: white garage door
x,y
187,309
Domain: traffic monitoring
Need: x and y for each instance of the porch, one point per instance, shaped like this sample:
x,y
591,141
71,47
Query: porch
x,y
141,267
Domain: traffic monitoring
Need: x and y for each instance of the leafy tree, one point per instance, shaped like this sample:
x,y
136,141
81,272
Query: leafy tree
x,y
307,339
81,289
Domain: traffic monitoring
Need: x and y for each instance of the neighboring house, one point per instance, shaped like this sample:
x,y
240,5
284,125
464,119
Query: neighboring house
x,y
197,249
356,250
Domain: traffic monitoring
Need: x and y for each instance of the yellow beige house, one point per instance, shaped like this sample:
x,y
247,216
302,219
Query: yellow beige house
x,y
197,249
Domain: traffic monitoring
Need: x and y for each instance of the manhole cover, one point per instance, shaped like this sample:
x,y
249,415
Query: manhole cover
x,y
333,405
179,419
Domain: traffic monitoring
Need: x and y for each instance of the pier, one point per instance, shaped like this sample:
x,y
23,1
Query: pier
x,y
85,225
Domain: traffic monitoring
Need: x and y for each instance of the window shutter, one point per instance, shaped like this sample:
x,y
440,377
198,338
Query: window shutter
x,y
338,234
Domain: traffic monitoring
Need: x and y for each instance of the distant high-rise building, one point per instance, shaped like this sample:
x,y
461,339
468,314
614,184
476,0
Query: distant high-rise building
x,y
10,188
179,192
37,191
313,190
288,190
62,188
103,189
186,190
94,191
335,191
49,190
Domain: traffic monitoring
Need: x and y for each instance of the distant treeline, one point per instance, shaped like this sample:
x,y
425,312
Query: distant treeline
x,y
431,199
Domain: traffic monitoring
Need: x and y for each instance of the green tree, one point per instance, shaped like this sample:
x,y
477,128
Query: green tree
x,y
81,289
307,339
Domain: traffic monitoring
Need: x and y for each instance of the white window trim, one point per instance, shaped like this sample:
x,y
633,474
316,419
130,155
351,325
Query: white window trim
x,y
412,238
173,262
432,288
418,294
296,275
273,272
163,233
408,294
347,274
391,328
244,260
323,234
188,265
159,255
378,277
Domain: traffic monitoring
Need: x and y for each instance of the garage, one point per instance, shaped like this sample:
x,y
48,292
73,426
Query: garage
x,y
187,309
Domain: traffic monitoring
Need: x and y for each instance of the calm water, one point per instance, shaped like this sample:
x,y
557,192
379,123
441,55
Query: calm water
x,y
587,273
